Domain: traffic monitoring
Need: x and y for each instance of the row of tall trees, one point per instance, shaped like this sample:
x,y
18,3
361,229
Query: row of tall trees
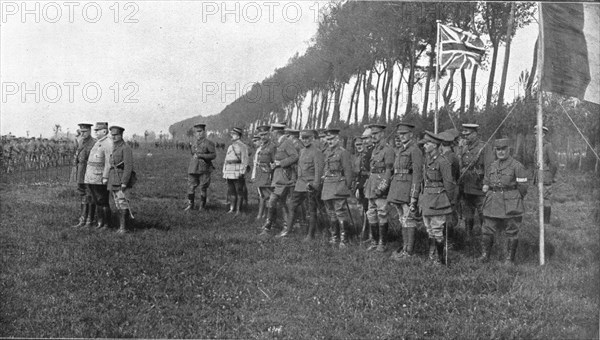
x,y
380,52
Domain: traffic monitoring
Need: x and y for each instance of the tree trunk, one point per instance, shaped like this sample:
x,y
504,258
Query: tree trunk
x,y
352,98
377,96
410,83
366,95
386,93
360,77
509,32
324,113
430,71
490,89
336,104
398,92
529,87
473,90
463,91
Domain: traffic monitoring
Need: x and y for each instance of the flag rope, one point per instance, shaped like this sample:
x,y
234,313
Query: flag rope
x,y
578,130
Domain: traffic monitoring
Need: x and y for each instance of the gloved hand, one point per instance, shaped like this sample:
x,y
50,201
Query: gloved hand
x,y
357,194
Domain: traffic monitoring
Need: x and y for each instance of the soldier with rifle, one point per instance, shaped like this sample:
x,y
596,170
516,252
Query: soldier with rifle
x,y
405,187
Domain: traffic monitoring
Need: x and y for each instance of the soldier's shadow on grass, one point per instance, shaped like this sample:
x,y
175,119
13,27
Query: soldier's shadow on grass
x,y
140,224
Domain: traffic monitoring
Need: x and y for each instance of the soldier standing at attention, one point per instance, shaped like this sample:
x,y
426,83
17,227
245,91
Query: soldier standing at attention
x,y
283,163
82,154
437,199
121,167
475,157
96,174
234,168
262,172
550,167
448,138
405,187
376,187
364,148
337,181
310,170
200,167
505,186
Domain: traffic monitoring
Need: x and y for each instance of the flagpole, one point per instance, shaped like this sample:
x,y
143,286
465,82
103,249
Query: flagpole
x,y
539,132
437,78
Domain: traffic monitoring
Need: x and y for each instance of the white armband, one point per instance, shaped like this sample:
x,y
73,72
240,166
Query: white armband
x,y
522,180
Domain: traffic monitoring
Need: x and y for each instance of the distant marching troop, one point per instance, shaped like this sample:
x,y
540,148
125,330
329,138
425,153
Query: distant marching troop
x,y
309,170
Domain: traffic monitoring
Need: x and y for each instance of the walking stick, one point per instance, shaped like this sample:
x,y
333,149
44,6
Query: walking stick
x,y
350,214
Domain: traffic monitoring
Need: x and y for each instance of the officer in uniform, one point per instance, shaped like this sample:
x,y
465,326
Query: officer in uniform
x,y
261,171
96,173
474,157
121,168
337,181
362,169
376,187
550,167
285,158
505,186
234,170
310,171
437,199
405,187
200,167
82,154
448,138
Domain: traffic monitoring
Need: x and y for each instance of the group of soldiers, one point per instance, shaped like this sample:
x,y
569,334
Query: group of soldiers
x,y
21,153
102,166
425,179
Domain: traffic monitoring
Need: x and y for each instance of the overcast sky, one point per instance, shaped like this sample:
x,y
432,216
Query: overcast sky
x,y
155,63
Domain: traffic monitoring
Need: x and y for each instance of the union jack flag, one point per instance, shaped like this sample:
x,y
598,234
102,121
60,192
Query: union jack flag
x,y
460,49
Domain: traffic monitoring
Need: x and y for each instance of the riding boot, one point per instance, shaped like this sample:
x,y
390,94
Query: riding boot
x,y
312,225
410,240
202,202
101,217
401,252
107,217
232,203
238,206
469,222
288,220
487,241
547,212
261,207
343,234
373,236
511,250
432,249
439,245
365,229
91,216
269,222
190,203
334,228
122,221
83,213
383,228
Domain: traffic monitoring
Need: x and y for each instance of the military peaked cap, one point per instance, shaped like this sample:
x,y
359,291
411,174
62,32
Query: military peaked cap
x,y
116,130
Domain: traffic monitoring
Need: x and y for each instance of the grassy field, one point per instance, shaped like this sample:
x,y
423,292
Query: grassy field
x,y
208,275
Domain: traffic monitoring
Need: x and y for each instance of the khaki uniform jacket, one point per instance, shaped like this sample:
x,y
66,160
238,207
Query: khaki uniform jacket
x,y
550,165
265,155
337,174
507,180
381,164
474,158
203,152
98,164
438,195
121,166
81,158
286,154
361,167
310,168
408,174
